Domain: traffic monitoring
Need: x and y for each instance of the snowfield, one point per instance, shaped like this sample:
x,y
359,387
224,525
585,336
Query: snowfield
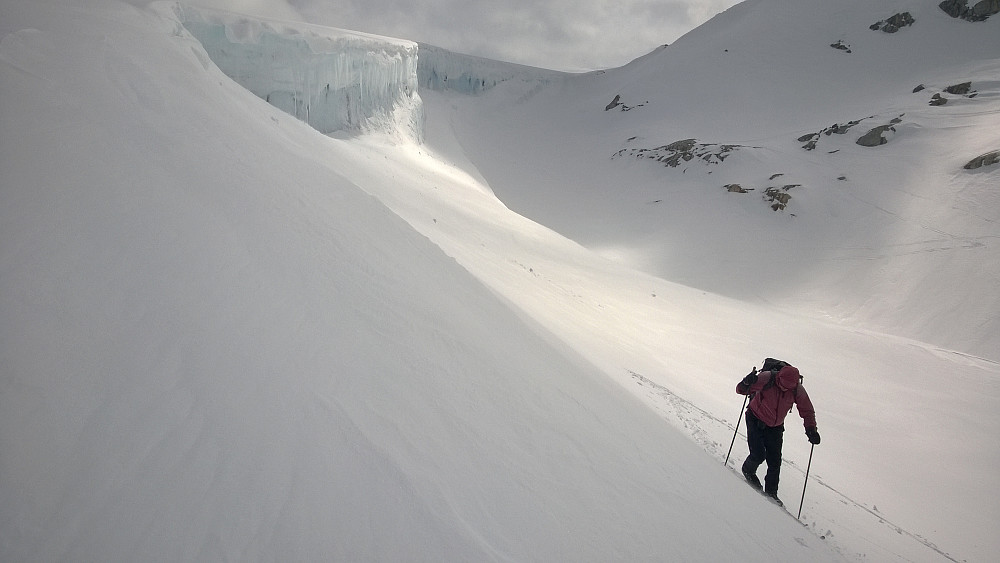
x,y
461,330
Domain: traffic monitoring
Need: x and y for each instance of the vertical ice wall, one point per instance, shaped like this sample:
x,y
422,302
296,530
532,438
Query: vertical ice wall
x,y
332,79
440,69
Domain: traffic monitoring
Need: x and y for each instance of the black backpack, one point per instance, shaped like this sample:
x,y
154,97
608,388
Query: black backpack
x,y
771,364
774,366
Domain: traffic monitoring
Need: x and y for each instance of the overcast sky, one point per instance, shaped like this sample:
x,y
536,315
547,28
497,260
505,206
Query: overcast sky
x,y
556,34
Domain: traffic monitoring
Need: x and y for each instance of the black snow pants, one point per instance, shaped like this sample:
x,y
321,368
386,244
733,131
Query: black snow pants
x,y
765,445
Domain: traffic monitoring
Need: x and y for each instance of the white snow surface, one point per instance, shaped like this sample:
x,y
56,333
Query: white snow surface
x,y
227,336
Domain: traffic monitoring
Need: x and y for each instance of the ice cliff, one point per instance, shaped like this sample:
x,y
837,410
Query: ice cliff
x,y
339,80
440,69
332,79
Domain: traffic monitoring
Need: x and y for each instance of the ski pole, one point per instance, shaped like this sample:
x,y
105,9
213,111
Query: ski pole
x,y
811,448
737,430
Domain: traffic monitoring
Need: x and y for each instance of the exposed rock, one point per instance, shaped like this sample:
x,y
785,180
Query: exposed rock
x,y
953,7
811,139
778,197
959,89
841,46
685,150
838,129
962,89
987,159
894,23
918,88
980,11
615,103
876,136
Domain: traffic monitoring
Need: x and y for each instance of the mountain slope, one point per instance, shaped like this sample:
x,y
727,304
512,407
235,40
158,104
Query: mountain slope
x,y
871,236
217,347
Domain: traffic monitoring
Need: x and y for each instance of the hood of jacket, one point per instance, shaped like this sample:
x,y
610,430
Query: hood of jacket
x,y
788,378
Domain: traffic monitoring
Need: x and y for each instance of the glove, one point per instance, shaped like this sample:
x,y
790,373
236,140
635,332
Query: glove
x,y
751,378
813,435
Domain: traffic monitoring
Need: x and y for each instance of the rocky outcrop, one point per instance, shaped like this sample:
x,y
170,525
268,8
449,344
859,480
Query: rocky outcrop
x,y
779,197
841,46
988,159
617,103
776,197
810,139
679,152
962,89
893,24
878,135
979,11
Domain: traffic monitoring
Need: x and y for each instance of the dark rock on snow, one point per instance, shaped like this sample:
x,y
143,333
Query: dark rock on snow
x,y
979,11
875,137
987,159
894,24
959,89
840,45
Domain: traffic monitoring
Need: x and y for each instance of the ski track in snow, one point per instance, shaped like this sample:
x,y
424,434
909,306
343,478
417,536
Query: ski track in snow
x,y
700,425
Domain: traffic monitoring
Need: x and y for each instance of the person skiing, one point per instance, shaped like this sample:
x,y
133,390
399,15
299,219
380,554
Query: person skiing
x,y
772,392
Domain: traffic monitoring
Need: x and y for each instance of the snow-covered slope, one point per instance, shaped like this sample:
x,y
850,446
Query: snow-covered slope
x,y
897,237
226,336
217,347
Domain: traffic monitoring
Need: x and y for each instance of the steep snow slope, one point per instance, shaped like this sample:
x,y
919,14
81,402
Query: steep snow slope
x,y
216,347
682,350
881,237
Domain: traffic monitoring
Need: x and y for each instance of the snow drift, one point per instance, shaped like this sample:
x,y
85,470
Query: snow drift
x,y
227,336
216,347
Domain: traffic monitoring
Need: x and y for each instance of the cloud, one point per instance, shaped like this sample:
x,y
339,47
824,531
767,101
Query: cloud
x,y
274,9
557,34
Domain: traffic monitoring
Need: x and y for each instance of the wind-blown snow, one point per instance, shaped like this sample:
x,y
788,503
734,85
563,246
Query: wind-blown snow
x,y
227,336
331,79
217,347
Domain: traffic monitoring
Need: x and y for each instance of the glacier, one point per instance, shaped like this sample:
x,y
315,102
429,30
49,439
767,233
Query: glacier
x,y
440,69
341,80
332,79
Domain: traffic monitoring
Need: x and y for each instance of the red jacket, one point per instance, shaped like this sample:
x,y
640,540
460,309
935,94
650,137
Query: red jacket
x,y
772,404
